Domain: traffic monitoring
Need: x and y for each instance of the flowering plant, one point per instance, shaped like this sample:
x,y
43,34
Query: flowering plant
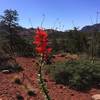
x,y
41,43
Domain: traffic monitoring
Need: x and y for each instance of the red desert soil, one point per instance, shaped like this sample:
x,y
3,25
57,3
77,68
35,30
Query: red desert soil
x,y
9,90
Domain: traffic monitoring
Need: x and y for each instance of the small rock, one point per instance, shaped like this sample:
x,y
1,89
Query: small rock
x,y
33,60
72,94
61,86
5,71
96,97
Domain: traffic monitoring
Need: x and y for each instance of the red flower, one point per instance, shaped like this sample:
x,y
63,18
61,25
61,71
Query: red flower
x,y
49,50
41,42
39,49
41,33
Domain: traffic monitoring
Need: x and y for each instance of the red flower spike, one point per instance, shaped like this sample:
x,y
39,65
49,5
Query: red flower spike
x,y
49,50
39,49
41,42
41,33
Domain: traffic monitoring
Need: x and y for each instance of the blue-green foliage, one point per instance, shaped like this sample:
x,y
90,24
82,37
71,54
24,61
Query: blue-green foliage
x,y
79,75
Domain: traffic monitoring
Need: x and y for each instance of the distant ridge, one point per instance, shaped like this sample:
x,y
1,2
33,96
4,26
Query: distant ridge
x,y
91,28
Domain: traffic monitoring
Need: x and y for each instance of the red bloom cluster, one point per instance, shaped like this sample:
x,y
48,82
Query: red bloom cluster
x,y
41,42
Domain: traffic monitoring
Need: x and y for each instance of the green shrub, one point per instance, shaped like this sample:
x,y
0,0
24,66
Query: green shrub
x,y
11,69
8,63
76,74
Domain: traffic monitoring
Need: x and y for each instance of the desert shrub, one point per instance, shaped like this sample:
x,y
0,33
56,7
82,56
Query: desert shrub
x,y
11,69
19,45
79,75
9,63
31,93
17,81
19,97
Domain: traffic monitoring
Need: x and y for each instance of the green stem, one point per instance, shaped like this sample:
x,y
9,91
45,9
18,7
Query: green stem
x,y
42,83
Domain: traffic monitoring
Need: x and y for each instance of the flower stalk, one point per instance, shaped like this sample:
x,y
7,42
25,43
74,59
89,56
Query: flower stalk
x,y
41,42
42,83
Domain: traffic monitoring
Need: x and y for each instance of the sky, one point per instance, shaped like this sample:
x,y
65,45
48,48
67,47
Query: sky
x,y
60,14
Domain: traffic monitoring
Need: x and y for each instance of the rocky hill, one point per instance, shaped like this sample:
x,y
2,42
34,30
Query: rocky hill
x,y
91,28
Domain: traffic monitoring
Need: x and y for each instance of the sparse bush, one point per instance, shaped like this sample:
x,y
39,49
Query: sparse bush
x,y
9,63
17,81
11,69
31,93
19,97
76,74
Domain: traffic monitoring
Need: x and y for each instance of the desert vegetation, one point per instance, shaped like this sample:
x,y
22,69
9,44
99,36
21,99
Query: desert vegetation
x,y
71,59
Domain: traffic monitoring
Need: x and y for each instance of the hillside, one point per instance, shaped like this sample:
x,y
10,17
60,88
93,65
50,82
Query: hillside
x,y
91,28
